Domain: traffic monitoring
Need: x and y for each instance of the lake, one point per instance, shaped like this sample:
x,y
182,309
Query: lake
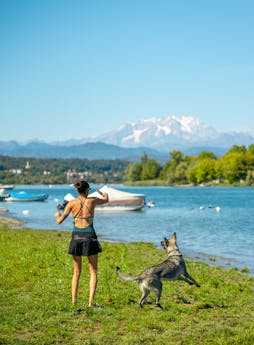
x,y
223,238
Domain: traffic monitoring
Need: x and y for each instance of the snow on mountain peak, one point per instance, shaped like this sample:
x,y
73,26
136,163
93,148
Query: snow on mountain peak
x,y
170,132
162,129
158,132
135,136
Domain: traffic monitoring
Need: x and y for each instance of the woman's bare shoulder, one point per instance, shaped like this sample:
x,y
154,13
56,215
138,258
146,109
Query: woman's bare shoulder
x,y
72,203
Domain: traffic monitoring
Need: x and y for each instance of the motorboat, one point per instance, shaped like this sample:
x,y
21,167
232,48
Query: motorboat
x,y
7,186
25,196
119,200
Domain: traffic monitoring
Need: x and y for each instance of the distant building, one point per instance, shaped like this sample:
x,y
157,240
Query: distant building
x,y
80,175
28,166
15,171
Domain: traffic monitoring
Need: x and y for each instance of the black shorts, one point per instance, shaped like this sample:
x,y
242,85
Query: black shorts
x,y
84,244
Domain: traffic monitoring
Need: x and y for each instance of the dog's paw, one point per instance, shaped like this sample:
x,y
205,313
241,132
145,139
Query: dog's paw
x,y
157,307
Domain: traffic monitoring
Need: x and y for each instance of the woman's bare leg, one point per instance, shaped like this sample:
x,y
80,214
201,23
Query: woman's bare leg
x,y
93,261
77,265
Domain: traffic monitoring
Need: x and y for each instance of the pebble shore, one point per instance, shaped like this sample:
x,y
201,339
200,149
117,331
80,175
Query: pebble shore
x,y
8,221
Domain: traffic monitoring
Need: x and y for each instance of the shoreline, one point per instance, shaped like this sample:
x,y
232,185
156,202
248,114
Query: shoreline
x,y
205,258
209,259
9,221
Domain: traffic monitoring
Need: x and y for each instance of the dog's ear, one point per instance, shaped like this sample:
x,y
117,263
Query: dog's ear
x,y
165,239
174,236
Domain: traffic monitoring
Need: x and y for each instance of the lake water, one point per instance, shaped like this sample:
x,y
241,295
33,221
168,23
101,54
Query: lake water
x,y
226,236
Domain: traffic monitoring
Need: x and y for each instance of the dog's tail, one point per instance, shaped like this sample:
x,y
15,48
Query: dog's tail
x,y
125,276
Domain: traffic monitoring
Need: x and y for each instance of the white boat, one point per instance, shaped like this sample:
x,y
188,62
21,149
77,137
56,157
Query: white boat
x,y
7,186
119,201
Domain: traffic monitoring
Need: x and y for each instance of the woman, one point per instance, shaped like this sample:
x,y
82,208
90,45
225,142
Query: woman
x,y
84,240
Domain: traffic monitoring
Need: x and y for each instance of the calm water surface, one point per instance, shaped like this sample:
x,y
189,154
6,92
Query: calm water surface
x,y
226,236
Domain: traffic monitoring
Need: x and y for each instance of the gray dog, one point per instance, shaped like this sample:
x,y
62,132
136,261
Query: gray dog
x,y
173,268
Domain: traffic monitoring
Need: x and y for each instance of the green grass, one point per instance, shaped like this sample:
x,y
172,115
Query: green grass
x,y
35,306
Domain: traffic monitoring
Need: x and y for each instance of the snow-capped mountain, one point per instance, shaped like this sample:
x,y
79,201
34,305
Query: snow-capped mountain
x,y
171,132
155,136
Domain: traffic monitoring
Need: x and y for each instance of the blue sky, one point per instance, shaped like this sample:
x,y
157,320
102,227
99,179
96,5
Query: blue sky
x,y
74,69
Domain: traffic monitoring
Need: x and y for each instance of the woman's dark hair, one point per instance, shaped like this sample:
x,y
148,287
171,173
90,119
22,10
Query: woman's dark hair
x,y
81,186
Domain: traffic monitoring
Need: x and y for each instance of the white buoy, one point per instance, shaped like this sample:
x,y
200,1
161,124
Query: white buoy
x,y
25,212
218,209
56,200
202,207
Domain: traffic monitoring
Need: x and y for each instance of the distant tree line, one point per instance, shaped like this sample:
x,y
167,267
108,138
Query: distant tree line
x,y
16,170
235,167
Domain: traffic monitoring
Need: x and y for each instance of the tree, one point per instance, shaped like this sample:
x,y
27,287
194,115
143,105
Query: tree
x,y
170,167
206,155
180,173
237,149
169,171
234,166
150,170
203,171
250,158
133,172
250,150
177,156
191,174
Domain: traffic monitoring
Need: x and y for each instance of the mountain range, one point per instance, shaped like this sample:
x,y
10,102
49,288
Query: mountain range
x,y
91,151
155,136
170,133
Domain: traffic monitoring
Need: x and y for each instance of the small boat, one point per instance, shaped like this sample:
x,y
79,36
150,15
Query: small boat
x,y
120,201
3,194
7,186
25,196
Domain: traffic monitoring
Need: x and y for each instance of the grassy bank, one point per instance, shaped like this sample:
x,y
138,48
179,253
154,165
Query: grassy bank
x,y
35,297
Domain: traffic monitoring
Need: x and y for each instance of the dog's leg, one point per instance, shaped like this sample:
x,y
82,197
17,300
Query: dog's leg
x,y
188,279
156,285
145,293
188,276
158,296
185,280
